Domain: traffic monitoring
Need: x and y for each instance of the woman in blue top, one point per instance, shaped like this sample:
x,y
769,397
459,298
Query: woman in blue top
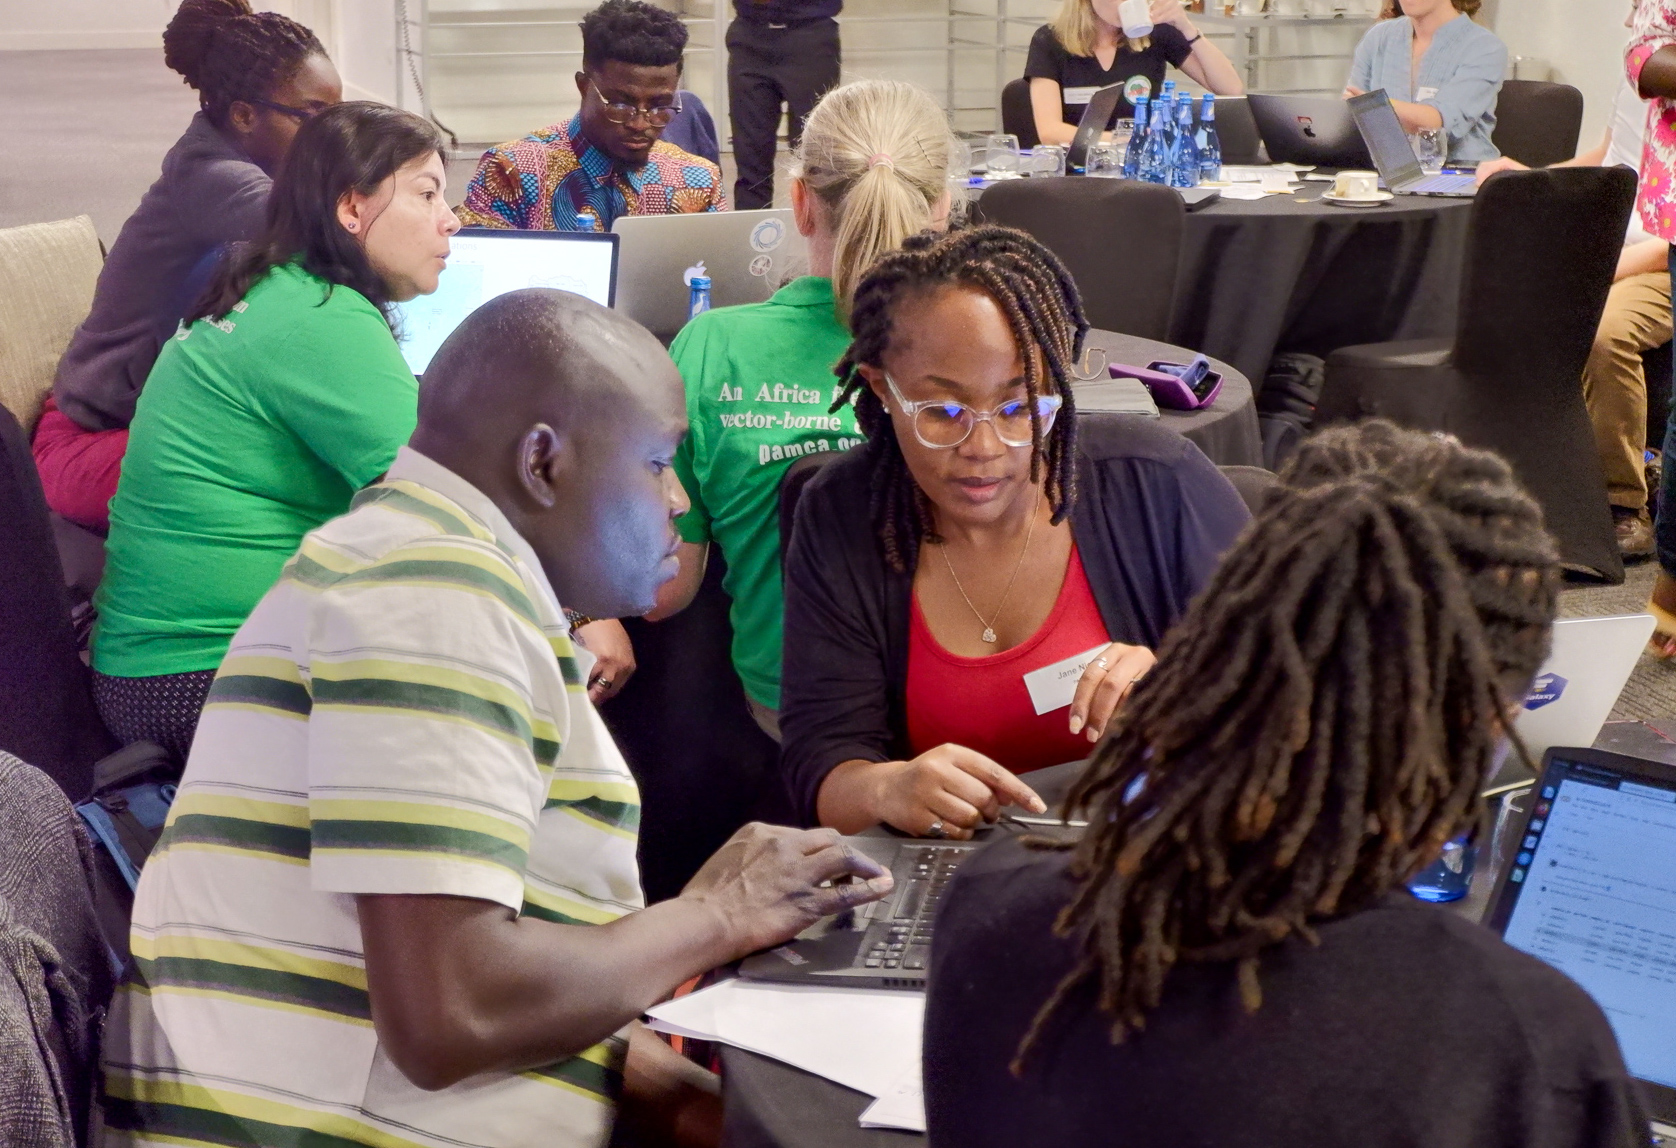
x,y
1440,69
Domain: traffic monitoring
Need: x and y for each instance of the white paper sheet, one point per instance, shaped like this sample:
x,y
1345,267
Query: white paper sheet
x,y
864,1039
904,1108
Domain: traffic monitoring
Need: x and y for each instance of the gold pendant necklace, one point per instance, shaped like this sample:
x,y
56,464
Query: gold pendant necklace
x,y
989,626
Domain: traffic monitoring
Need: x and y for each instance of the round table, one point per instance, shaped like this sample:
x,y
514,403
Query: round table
x,y
1226,430
1292,273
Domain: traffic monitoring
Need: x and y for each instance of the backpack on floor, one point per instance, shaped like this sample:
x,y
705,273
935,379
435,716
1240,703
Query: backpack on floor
x,y
132,791
1286,404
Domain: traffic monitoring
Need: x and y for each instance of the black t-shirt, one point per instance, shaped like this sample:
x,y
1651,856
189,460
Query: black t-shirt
x,y
1408,1026
1140,73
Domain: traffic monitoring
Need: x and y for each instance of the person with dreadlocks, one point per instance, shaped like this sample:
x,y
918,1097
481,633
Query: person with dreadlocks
x,y
1228,955
983,531
258,75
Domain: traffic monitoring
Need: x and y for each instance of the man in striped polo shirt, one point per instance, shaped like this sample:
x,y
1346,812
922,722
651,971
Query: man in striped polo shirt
x,y
396,903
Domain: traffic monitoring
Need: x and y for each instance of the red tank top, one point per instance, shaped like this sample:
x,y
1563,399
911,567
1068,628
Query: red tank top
x,y
982,703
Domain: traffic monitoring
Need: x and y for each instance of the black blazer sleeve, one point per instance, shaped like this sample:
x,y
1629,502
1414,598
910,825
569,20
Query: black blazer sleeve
x,y
839,688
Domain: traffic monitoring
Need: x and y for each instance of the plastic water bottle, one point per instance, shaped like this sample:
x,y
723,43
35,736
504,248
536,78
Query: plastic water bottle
x,y
586,220
1137,140
698,298
1167,101
1184,156
1210,148
1155,153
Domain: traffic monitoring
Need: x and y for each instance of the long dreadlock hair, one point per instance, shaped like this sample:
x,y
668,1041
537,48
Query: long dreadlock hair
x,y
1321,721
1043,310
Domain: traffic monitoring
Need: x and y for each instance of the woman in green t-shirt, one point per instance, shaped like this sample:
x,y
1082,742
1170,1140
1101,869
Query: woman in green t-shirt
x,y
282,394
872,170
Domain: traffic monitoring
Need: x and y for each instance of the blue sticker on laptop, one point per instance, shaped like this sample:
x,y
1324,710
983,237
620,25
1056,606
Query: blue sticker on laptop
x,y
1544,690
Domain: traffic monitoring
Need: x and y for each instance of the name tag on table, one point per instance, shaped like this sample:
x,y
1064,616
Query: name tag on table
x,y
1423,94
1077,95
1052,687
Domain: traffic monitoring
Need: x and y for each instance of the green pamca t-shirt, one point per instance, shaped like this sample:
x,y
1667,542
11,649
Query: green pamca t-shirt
x,y
251,431
759,382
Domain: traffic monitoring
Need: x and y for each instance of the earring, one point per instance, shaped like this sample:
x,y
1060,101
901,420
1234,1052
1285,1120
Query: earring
x,y
1084,372
352,225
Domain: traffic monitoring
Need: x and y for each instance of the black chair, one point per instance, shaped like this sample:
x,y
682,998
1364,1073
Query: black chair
x,y
1120,239
1236,130
1656,368
47,715
797,476
1537,122
1254,484
1018,118
1541,250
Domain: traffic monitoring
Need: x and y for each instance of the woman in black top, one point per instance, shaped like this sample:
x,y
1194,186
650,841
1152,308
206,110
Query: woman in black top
x,y
1228,957
922,581
1084,50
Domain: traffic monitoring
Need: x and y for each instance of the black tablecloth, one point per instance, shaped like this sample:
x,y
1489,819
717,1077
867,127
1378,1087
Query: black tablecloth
x,y
1227,429
1259,277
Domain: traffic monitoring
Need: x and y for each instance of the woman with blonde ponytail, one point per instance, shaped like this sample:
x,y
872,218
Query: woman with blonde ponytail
x,y
871,171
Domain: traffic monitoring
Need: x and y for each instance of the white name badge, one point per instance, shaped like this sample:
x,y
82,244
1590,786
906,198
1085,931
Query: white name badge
x,y
1078,95
1052,687
1421,94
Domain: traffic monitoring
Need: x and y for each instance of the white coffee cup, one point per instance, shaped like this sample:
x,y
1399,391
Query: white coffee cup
x,y
1136,16
1356,185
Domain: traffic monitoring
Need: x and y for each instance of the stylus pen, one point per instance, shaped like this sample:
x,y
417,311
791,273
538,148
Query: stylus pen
x,y
1015,819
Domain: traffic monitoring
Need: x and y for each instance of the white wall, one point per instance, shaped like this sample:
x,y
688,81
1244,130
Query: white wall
x,y
83,23
1583,41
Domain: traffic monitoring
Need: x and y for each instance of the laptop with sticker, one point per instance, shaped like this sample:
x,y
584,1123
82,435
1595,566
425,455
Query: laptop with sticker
x,y
1578,685
748,255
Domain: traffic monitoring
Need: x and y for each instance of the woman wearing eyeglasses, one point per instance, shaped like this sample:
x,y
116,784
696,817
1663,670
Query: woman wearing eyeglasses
x,y
983,533
258,76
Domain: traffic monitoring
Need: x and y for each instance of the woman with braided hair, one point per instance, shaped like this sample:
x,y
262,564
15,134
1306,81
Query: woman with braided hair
x,y
983,532
1228,955
258,76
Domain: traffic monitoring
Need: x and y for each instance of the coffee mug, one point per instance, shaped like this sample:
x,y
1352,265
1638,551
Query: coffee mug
x,y
1136,16
1356,185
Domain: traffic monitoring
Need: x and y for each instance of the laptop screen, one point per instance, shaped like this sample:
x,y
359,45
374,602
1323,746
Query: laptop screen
x,y
483,263
1592,891
1387,142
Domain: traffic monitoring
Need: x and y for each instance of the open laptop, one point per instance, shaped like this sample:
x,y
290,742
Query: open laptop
x,y
1388,144
1308,130
484,262
748,255
1574,692
1592,891
1096,119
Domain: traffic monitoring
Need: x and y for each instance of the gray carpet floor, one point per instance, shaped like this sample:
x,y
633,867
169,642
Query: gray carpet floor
x,y
85,131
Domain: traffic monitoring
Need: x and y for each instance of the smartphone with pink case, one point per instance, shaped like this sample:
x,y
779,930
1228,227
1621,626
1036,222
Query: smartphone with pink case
x,y
1171,391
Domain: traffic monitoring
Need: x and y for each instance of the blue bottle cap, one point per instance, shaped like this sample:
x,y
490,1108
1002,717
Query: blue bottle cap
x,y
700,281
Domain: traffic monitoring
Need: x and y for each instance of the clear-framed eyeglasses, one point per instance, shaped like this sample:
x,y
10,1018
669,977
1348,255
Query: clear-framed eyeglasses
x,y
658,115
944,423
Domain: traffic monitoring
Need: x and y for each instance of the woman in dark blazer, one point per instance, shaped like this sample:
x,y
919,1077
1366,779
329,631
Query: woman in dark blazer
x,y
970,593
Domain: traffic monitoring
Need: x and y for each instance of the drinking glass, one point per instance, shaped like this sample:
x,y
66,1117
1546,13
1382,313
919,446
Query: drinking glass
x,y
1002,153
1105,160
1047,159
1431,147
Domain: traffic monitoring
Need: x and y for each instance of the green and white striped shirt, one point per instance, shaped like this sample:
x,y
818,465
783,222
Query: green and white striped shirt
x,y
402,713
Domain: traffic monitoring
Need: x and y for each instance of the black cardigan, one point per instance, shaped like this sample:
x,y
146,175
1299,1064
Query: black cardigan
x,y
1151,520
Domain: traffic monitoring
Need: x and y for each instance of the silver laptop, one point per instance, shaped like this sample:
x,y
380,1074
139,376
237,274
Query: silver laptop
x,y
1578,685
1308,130
484,262
748,255
1398,166
1591,890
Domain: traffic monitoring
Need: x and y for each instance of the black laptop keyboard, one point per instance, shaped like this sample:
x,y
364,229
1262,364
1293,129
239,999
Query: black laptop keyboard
x,y
904,941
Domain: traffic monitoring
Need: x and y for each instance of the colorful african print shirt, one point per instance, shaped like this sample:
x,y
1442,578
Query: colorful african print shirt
x,y
541,182
1655,28
403,713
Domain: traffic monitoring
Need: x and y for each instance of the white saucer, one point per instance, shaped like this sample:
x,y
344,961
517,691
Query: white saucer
x,y
1381,197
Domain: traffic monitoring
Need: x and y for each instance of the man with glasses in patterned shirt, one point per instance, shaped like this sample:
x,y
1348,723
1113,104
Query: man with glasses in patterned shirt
x,y
608,160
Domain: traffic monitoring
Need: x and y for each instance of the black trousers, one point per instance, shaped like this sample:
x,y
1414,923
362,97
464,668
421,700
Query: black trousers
x,y
767,67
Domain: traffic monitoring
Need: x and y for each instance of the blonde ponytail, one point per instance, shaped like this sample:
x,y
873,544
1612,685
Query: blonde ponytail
x,y
876,154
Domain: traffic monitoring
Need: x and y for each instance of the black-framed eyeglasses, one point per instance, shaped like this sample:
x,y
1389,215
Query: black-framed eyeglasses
x,y
659,116
301,115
